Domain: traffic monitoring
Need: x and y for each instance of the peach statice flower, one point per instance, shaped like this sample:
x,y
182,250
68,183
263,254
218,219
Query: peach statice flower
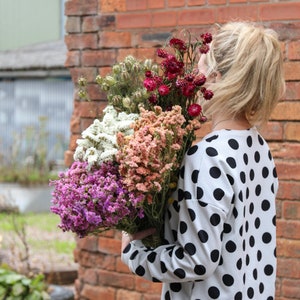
x,y
150,159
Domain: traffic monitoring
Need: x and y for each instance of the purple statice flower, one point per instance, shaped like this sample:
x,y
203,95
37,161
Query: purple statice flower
x,y
89,200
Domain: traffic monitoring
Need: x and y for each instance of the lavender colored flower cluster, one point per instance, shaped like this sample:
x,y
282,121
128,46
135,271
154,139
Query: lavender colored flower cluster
x,y
89,200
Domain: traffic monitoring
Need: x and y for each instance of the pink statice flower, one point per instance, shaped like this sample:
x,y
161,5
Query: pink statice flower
x,y
88,201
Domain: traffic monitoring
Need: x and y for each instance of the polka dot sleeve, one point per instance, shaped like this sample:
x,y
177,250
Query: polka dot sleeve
x,y
194,224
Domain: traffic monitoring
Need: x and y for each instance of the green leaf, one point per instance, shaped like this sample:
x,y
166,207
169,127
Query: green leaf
x,y
18,289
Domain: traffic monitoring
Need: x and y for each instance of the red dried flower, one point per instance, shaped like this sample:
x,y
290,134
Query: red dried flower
x,y
199,80
206,38
204,49
162,53
189,89
178,44
194,110
163,90
208,94
150,84
148,74
153,99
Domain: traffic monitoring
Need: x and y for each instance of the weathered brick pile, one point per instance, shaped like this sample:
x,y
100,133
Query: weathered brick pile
x,y
101,32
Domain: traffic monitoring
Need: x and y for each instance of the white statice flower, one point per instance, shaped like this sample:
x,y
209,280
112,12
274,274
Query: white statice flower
x,y
99,140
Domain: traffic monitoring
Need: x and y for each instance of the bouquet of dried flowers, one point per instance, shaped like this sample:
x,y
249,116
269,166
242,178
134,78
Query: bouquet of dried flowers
x,y
126,165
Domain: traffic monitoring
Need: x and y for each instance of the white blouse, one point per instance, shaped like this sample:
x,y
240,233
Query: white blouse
x,y
220,230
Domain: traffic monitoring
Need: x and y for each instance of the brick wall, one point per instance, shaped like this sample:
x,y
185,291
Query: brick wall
x,y
101,32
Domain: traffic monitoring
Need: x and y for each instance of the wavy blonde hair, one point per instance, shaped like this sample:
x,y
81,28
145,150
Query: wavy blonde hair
x,y
249,60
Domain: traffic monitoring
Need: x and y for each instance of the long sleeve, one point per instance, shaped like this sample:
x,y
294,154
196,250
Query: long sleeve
x,y
200,210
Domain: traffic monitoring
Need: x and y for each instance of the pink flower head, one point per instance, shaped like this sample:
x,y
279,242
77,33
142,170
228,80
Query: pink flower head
x,y
206,38
194,110
204,49
162,53
208,94
189,89
189,77
199,80
153,99
164,90
172,65
148,74
178,44
150,84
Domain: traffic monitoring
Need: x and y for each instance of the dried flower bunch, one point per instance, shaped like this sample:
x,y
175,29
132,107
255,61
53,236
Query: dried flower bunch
x,y
126,165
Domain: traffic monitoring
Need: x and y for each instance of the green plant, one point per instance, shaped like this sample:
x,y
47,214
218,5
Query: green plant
x,y
15,286
27,162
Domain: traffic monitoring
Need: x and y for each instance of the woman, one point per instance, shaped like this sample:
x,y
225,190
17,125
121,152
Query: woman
x,y
220,229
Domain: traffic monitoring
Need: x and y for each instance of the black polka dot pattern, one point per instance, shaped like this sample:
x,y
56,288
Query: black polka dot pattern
x,y
220,229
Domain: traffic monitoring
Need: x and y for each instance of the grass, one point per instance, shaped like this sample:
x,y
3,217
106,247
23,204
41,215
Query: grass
x,y
41,232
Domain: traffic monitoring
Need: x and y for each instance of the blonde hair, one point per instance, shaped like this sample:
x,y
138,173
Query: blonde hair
x,y
249,60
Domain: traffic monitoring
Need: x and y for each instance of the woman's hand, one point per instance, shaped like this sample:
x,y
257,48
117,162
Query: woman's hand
x,y
127,238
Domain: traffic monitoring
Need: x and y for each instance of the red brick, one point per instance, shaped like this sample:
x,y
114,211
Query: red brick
x,y
292,70
81,7
241,12
287,31
237,1
279,11
292,91
291,288
96,259
291,210
141,20
288,267
73,25
164,19
288,151
123,294
146,286
98,58
287,110
68,158
288,170
96,23
196,17
111,39
90,276
75,124
155,4
288,229
151,297
132,5
216,2
292,131
88,73
272,131
87,109
81,41
289,190
111,6
72,143
72,59
121,267
98,292
89,243
114,279
109,246
176,3
196,2
294,50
